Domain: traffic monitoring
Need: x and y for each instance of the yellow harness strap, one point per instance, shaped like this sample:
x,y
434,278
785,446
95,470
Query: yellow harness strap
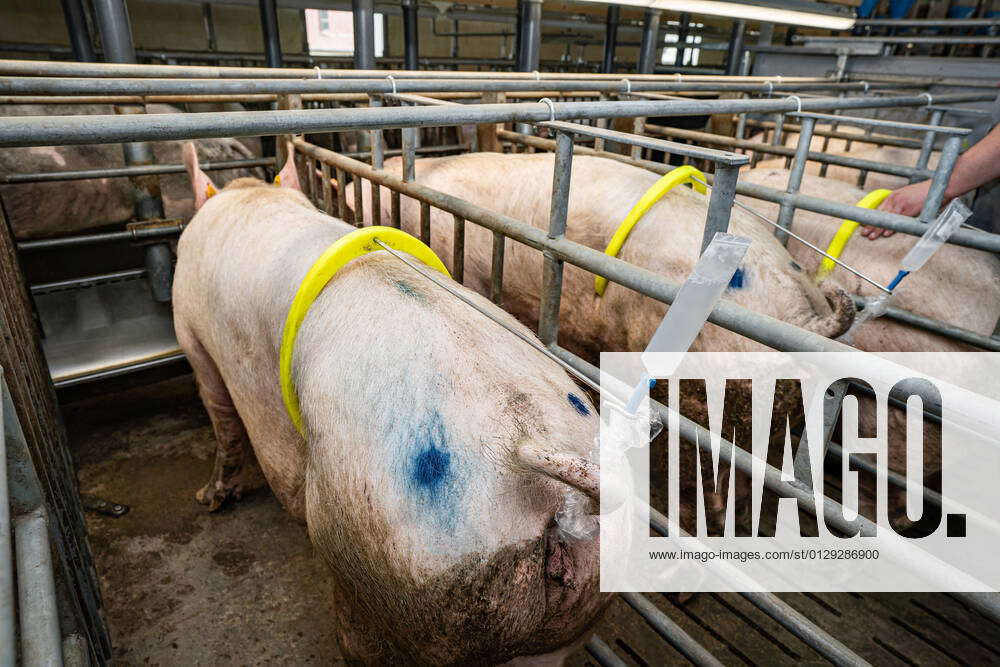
x,y
667,182
345,249
847,228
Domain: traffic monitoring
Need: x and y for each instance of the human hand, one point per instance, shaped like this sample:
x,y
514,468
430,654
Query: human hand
x,y
907,200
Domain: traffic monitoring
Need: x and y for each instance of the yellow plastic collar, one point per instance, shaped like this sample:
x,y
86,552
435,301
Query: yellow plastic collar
x,y
847,228
345,249
667,182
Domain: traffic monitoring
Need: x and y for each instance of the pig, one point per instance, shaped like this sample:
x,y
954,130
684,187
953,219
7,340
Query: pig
x,y
958,285
944,289
667,241
875,180
435,510
39,210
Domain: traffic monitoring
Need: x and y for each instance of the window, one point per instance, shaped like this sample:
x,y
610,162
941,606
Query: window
x,y
670,52
331,33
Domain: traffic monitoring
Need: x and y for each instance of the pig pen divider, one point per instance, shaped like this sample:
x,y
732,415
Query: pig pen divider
x,y
557,248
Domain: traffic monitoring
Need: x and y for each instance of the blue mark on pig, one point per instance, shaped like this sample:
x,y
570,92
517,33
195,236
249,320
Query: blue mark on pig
x,y
434,480
578,404
738,281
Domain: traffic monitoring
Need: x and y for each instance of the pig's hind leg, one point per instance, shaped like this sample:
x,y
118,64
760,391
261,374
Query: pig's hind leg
x,y
232,443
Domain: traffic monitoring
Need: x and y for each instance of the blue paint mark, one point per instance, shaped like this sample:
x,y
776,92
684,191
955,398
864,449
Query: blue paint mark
x,y
433,478
430,468
578,404
737,281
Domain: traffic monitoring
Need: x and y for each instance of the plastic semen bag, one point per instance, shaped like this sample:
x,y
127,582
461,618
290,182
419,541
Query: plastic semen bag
x,y
938,232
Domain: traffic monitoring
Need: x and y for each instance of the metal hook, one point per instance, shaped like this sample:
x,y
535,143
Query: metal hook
x,y
319,72
797,99
393,82
552,108
770,88
930,98
628,86
538,77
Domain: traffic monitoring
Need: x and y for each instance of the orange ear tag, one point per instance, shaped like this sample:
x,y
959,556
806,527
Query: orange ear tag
x,y
210,191
277,179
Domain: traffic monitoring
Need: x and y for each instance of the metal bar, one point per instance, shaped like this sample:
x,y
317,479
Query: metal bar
x,y
670,631
136,170
409,141
359,208
735,50
364,33
209,20
721,157
116,31
116,37
269,29
41,643
425,222
378,159
806,630
683,30
117,371
603,654
552,268
104,237
327,189
496,267
610,38
883,122
881,139
411,34
72,130
62,68
34,85
394,219
8,645
939,181
786,213
341,194
650,48
76,26
458,251
530,38
87,281
720,204
927,146
788,151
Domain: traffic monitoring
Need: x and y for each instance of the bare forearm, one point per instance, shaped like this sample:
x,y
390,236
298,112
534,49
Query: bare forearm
x,y
978,165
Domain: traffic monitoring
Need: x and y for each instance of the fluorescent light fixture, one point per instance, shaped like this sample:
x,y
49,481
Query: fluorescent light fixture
x,y
750,12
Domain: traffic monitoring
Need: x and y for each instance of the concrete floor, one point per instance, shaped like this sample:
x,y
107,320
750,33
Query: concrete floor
x,y
180,585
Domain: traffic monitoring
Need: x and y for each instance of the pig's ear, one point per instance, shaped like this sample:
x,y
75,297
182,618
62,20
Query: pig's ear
x,y
571,469
200,182
288,177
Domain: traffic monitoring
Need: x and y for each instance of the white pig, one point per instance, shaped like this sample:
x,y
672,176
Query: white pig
x,y
439,445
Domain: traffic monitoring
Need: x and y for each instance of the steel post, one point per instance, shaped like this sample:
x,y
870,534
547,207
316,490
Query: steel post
x,y
530,37
927,146
76,26
552,272
735,52
787,213
364,34
939,182
411,35
650,48
683,30
720,204
116,36
8,645
269,28
610,38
